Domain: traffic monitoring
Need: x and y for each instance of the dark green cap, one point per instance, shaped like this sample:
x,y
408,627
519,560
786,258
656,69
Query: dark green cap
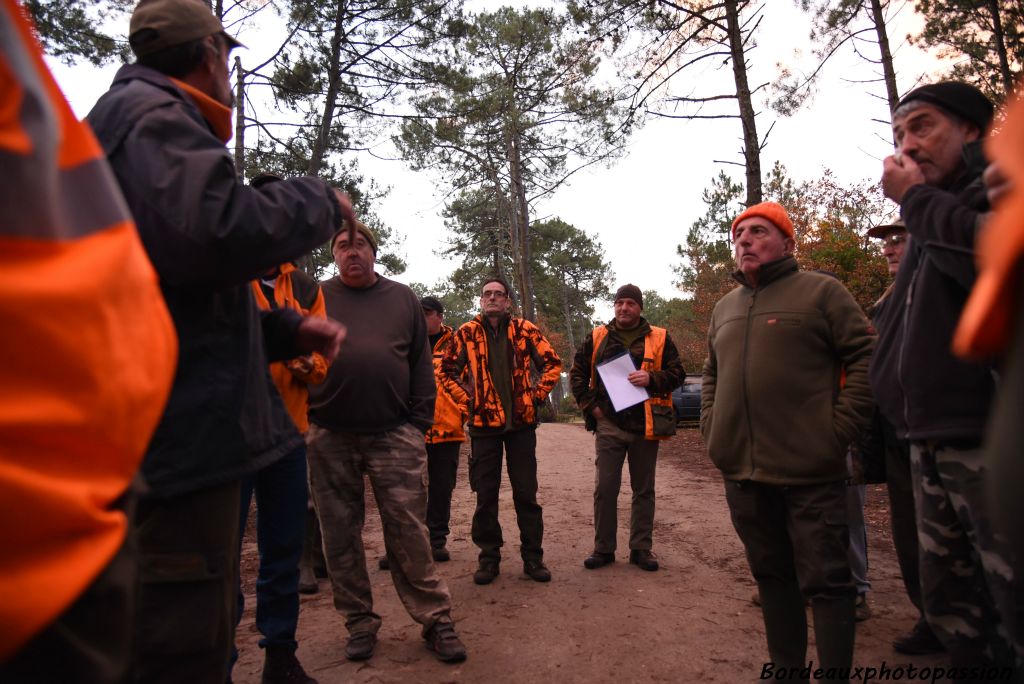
x,y
159,24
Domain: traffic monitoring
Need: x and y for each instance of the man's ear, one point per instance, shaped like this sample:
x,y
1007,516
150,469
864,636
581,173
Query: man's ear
x,y
211,54
790,245
971,132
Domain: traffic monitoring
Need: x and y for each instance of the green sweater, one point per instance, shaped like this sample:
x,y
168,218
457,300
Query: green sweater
x,y
774,407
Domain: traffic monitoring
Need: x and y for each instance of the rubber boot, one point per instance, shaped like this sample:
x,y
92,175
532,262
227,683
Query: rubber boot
x,y
785,625
835,625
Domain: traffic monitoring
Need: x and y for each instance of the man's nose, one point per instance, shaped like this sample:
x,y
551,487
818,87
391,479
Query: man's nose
x,y
909,144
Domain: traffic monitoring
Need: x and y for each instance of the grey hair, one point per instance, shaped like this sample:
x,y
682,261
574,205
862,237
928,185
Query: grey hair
x,y
907,108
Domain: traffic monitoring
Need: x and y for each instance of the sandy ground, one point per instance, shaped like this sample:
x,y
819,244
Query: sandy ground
x,y
691,621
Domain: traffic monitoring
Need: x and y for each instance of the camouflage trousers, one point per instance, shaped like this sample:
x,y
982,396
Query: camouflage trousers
x,y
396,464
965,566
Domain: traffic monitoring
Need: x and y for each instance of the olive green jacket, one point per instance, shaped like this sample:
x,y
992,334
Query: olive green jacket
x,y
776,404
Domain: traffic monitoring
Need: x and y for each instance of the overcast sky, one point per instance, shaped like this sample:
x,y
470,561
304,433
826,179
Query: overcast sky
x,y
641,207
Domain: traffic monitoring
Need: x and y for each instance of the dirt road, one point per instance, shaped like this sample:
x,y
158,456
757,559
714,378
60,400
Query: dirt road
x,y
691,621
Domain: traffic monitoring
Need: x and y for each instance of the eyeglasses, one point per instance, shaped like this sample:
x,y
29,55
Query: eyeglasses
x,y
893,239
493,294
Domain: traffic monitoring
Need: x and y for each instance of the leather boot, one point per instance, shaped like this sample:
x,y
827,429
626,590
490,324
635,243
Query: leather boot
x,y
835,625
282,667
785,622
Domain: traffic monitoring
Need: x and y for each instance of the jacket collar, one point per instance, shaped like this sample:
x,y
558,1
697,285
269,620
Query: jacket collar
x,y
644,327
216,114
181,91
773,270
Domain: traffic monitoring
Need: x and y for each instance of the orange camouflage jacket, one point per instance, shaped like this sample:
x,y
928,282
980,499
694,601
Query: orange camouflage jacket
x,y
449,415
466,374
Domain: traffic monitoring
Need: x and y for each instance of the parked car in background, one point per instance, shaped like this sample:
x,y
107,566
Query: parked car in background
x,y
686,401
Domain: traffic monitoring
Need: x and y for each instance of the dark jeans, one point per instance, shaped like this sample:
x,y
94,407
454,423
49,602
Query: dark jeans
x,y
91,641
796,539
280,490
442,467
188,546
520,447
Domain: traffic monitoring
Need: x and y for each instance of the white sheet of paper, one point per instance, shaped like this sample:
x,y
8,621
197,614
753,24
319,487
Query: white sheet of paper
x,y
614,374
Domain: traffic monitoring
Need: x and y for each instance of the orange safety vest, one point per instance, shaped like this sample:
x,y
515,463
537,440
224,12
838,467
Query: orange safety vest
x,y
449,416
291,382
654,348
89,350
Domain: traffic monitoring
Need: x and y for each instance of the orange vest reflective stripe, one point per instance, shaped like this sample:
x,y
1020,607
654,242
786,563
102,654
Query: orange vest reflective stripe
x,y
654,348
90,349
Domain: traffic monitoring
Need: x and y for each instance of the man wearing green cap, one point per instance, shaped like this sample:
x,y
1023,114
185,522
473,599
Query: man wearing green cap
x,y
163,126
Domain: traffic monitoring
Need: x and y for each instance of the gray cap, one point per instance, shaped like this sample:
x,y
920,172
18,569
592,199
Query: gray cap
x,y
159,24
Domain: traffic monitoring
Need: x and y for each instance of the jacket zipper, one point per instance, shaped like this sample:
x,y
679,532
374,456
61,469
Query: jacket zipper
x,y
746,397
903,347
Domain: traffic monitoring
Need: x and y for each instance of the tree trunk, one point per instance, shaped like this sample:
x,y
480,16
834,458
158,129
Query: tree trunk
x,y
513,228
239,119
523,228
751,144
888,72
316,154
1000,39
570,336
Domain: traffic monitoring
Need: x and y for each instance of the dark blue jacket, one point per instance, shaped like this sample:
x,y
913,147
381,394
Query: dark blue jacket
x,y
208,235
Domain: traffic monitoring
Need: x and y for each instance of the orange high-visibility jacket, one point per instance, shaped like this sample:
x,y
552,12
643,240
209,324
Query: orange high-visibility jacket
x,y
449,415
986,324
293,289
469,354
654,349
89,347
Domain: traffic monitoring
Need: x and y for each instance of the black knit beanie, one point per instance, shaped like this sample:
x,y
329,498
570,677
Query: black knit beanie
x,y
630,291
961,99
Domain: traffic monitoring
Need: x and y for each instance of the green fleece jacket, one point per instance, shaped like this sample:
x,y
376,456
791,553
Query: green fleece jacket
x,y
775,405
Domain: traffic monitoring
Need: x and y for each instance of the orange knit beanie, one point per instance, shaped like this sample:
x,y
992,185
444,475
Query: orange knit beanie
x,y
771,211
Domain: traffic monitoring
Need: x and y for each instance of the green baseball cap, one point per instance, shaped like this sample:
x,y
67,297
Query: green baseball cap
x,y
160,24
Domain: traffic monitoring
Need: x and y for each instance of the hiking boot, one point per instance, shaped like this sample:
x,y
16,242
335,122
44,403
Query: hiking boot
x,y
486,573
861,609
537,571
360,645
444,642
280,666
598,560
307,580
920,640
644,559
383,563
440,554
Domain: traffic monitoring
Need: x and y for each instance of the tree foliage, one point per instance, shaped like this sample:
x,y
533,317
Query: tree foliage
x,y
861,25
512,110
985,38
338,78
73,29
571,273
662,46
569,267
